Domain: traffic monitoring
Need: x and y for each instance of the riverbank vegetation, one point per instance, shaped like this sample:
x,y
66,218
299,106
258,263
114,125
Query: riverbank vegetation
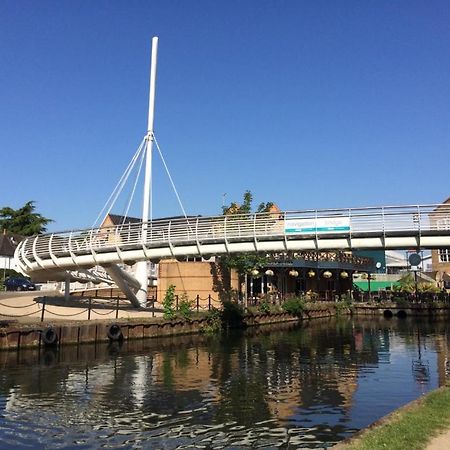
x,y
411,427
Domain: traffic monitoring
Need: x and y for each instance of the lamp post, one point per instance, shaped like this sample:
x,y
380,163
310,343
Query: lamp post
x,y
269,274
370,277
253,273
415,259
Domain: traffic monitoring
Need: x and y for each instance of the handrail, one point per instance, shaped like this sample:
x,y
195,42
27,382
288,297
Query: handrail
x,y
227,234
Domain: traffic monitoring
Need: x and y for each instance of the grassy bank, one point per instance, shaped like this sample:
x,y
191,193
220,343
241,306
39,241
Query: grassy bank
x,y
411,427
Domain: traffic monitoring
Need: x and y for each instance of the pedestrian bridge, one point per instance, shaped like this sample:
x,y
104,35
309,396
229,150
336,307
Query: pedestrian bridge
x,y
390,227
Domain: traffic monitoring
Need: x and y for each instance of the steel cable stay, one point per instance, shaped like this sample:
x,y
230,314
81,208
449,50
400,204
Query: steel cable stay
x,y
171,180
130,198
139,155
120,184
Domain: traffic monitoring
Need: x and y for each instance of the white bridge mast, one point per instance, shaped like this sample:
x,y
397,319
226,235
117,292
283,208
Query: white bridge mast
x,y
141,267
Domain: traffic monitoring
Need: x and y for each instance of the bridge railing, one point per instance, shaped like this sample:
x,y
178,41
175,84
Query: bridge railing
x,y
411,219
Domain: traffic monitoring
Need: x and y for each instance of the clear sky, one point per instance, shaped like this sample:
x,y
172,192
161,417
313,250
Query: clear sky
x,y
309,104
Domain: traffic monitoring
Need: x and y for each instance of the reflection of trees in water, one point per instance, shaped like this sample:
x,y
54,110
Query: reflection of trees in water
x,y
242,377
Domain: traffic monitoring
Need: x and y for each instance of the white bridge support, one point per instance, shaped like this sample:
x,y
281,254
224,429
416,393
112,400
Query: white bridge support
x,y
141,267
390,227
129,285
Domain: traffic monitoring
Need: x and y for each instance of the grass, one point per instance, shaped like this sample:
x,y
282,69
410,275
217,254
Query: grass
x,y
411,427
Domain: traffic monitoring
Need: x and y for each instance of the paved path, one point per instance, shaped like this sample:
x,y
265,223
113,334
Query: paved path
x,y
440,442
27,307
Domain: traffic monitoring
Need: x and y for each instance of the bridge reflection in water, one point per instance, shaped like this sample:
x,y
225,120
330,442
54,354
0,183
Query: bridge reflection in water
x,y
311,386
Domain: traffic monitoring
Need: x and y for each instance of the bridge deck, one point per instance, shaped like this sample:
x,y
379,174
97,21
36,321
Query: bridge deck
x,y
398,227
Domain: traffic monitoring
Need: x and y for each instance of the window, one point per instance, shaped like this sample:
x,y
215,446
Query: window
x,y
444,255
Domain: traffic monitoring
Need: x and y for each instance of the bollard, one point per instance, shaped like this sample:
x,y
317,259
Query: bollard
x,y
89,308
153,307
43,310
209,302
198,302
117,308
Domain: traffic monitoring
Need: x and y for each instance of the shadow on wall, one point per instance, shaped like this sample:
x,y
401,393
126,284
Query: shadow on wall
x,y
221,280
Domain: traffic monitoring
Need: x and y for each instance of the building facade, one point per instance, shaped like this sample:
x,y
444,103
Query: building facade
x,y
440,258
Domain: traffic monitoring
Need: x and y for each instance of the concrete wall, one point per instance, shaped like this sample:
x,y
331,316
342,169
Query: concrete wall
x,y
195,278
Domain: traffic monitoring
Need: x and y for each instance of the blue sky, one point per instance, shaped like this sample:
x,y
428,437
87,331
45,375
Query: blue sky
x,y
310,104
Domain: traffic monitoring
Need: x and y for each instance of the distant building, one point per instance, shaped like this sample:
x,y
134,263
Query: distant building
x,y
8,245
441,257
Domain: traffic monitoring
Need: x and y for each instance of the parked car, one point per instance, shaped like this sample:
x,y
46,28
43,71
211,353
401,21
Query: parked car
x,y
19,284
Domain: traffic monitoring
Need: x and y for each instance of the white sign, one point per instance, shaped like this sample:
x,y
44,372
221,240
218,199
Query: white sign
x,y
321,225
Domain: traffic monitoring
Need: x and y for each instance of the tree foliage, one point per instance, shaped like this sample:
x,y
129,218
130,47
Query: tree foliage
x,y
24,221
246,207
245,262
406,284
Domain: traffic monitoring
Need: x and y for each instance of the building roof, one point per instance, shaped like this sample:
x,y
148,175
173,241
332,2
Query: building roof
x,y
119,220
9,243
444,205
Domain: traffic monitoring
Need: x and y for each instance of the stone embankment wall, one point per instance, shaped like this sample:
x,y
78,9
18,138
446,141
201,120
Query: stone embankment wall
x,y
410,310
16,336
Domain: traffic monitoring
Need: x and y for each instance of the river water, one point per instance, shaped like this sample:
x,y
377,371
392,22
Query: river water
x,y
288,386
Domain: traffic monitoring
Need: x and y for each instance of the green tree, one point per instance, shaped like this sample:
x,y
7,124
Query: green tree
x,y
245,262
24,221
246,207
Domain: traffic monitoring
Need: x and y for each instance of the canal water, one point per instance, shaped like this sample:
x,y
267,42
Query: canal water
x,y
288,386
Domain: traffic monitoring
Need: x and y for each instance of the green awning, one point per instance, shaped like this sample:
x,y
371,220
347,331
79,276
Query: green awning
x,y
374,285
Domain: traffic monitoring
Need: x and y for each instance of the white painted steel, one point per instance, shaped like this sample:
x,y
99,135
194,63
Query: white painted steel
x,y
397,227
141,268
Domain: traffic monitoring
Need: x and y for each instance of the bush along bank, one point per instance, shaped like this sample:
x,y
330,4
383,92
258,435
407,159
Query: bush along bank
x,y
232,315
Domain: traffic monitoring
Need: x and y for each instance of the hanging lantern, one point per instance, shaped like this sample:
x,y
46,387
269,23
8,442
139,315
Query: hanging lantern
x,y
311,274
327,274
269,273
344,274
293,273
255,272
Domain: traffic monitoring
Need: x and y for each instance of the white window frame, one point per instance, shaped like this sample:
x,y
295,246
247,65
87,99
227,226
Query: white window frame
x,y
444,255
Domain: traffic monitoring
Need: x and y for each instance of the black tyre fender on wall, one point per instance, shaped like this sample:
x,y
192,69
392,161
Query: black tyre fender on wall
x,y
49,336
115,332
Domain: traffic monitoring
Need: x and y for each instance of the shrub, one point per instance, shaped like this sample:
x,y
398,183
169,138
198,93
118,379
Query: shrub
x,y
213,322
264,307
294,306
185,307
401,301
169,299
232,314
